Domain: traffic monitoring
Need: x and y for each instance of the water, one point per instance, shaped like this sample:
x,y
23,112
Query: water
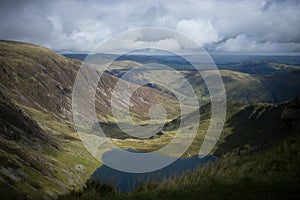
x,y
126,182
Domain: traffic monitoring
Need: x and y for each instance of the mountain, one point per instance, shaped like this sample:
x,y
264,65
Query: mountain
x,y
164,57
41,153
262,67
251,88
258,150
42,156
241,87
246,80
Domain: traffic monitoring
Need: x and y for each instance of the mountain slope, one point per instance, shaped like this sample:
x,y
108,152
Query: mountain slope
x,y
36,134
274,83
249,88
260,126
41,153
36,76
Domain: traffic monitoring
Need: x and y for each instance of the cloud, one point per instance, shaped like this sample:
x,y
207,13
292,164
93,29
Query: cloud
x,y
169,43
76,25
200,30
83,38
142,39
242,44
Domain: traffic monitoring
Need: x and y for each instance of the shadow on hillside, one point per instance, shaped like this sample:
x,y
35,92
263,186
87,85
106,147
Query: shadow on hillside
x,y
251,128
112,130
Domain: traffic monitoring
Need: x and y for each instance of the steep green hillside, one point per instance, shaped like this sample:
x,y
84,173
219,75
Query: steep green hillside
x,y
253,127
40,157
41,153
42,79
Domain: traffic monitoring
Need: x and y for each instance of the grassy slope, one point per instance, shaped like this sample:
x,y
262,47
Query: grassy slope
x,y
253,127
45,158
273,174
250,82
244,87
258,161
37,83
250,88
41,160
49,159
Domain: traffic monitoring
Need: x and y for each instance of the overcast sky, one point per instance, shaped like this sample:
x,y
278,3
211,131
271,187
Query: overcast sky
x,y
231,26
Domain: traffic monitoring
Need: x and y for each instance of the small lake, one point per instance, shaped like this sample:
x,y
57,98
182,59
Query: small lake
x,y
125,182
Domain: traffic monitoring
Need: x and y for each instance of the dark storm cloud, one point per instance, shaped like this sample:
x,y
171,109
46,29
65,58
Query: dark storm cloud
x,y
224,26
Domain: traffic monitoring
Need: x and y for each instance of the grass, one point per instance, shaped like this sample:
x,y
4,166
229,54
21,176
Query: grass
x,y
226,175
37,167
170,130
75,152
271,174
249,88
258,160
53,167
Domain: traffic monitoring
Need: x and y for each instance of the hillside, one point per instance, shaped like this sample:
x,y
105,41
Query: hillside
x,y
268,82
36,132
41,153
259,159
250,88
42,156
262,67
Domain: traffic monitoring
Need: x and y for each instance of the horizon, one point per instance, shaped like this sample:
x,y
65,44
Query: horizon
x,y
220,27
63,52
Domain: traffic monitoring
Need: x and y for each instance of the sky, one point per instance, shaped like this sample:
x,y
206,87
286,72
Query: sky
x,y
233,26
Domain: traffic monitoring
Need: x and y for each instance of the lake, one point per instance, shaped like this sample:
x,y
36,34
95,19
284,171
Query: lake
x,y
125,182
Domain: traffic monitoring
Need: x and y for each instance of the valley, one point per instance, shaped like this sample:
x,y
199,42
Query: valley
x,y
42,155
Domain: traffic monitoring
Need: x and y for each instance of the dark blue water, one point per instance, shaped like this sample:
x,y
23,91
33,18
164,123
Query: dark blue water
x,y
126,182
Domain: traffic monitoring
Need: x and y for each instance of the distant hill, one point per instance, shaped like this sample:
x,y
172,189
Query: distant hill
x,y
240,87
247,78
261,67
251,88
251,64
